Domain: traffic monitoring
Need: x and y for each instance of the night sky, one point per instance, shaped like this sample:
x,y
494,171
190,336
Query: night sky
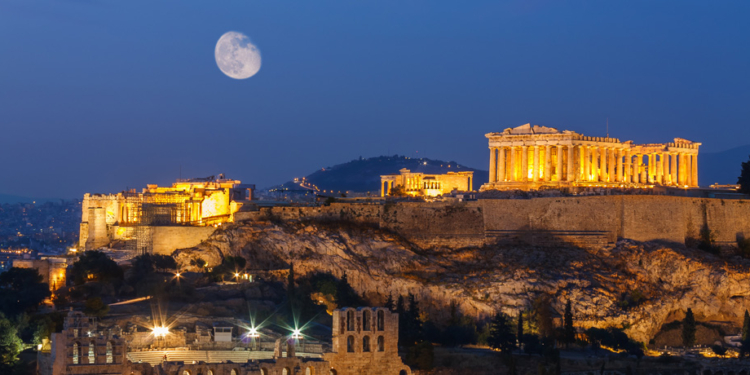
x,y
98,96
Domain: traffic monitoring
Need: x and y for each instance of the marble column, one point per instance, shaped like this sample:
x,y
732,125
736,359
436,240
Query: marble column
x,y
681,169
547,162
658,169
501,165
524,163
673,169
603,164
694,164
626,165
611,175
559,168
636,169
688,170
587,163
512,168
493,166
618,165
535,167
571,159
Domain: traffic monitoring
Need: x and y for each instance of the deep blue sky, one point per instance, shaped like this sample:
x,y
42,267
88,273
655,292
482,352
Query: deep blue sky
x,y
97,96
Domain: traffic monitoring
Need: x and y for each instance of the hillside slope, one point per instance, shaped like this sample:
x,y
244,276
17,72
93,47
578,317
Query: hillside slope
x,y
363,175
484,279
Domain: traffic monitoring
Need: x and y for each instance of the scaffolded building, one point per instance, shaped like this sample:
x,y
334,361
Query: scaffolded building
x,y
130,216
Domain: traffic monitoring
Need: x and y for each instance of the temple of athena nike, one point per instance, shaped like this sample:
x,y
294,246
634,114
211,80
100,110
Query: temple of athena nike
x,y
533,157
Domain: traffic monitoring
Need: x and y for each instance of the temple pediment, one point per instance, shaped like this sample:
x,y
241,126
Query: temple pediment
x,y
528,129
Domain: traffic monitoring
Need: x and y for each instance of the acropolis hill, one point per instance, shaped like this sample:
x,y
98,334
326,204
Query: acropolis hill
x,y
493,252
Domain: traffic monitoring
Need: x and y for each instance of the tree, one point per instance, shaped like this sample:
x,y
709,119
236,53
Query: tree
x,y
543,314
569,334
95,266
519,328
10,343
719,350
745,341
398,191
501,334
198,262
412,323
345,294
96,307
290,282
21,290
389,302
744,179
688,329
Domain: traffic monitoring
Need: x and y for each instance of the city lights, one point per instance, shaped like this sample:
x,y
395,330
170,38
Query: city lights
x,y
296,334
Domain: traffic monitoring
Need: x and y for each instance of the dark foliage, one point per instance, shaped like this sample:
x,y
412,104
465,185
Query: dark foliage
x,y
421,356
21,290
501,334
688,329
96,307
95,266
569,332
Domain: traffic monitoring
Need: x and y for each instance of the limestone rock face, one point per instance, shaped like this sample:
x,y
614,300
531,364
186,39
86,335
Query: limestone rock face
x,y
635,285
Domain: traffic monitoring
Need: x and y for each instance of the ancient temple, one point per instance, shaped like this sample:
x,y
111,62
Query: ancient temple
x,y
533,157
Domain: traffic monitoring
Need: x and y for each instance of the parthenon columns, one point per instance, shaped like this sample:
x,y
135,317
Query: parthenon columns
x,y
694,172
571,173
559,167
493,168
535,172
547,162
524,163
512,172
501,166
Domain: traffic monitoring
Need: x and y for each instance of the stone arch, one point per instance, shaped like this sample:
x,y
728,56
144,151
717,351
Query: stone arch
x,y
286,371
366,344
110,357
350,344
332,372
381,320
263,371
92,352
350,319
381,343
402,372
234,372
310,370
185,372
366,326
76,353
211,372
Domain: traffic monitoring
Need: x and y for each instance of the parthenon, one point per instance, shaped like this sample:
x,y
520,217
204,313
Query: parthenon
x,y
533,157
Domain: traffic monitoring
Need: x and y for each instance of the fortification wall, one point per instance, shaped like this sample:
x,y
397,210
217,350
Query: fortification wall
x,y
170,238
590,221
362,213
436,224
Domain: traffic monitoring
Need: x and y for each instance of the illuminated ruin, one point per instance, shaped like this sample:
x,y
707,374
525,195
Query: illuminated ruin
x,y
533,157
132,216
426,185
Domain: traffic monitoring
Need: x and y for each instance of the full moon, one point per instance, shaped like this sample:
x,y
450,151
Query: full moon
x,y
236,56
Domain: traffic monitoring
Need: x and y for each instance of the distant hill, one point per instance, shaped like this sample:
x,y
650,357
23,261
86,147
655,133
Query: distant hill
x,y
722,167
364,174
12,199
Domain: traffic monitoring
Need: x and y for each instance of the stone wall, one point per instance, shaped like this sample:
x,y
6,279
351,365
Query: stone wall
x,y
590,221
167,239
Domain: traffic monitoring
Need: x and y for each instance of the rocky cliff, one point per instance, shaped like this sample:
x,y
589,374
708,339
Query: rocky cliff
x,y
636,285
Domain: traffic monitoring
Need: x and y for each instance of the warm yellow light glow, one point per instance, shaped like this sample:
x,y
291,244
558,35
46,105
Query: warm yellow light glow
x,y
160,331
73,250
177,274
236,275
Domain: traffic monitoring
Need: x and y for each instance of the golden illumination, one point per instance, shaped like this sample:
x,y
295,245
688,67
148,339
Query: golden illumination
x,y
160,331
